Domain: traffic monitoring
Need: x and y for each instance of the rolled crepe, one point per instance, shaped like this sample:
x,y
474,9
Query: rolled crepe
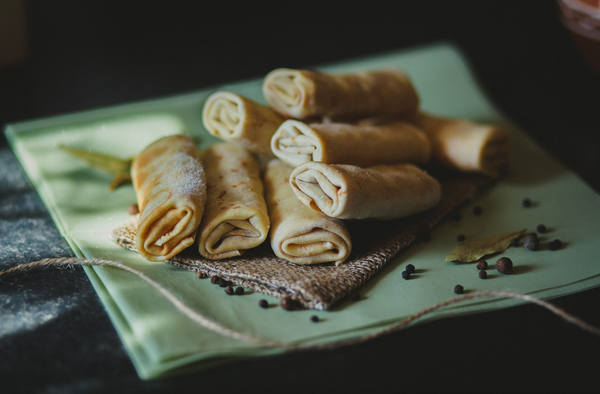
x,y
379,192
298,233
237,119
362,145
170,185
464,145
235,218
302,94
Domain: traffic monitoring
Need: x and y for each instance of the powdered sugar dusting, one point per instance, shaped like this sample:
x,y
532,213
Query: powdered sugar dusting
x,y
182,174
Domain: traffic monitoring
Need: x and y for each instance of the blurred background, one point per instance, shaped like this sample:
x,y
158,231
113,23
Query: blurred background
x,y
64,56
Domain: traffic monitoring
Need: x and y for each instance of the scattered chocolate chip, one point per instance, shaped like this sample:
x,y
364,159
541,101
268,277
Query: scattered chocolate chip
x,y
287,303
541,228
460,237
405,274
477,210
531,241
504,265
355,297
483,274
514,242
215,279
200,275
526,202
554,245
134,209
410,268
263,304
458,289
314,318
482,265
239,290
229,290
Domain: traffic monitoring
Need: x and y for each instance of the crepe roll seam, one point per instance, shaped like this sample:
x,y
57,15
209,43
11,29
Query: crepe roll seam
x,y
390,142
380,192
302,94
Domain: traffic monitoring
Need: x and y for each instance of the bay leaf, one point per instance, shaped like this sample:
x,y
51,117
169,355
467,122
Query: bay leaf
x,y
475,249
111,164
120,168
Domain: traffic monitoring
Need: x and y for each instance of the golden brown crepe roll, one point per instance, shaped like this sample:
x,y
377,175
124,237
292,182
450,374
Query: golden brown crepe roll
x,y
464,145
237,119
378,192
170,185
235,218
302,94
298,233
362,145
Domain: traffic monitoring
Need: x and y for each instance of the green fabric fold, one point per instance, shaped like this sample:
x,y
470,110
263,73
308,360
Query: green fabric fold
x,y
161,341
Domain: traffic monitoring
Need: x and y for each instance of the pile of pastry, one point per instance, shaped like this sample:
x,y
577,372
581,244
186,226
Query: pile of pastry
x,y
327,148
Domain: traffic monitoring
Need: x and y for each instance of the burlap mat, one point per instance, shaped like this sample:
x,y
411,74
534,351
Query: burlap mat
x,y
320,286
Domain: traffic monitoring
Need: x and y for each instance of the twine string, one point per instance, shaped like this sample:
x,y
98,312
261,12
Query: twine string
x,y
201,320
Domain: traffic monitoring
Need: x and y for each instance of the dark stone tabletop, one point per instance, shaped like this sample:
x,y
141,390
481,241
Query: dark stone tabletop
x,y
55,336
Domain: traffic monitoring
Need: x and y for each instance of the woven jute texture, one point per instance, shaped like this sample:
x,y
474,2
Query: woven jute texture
x,y
320,286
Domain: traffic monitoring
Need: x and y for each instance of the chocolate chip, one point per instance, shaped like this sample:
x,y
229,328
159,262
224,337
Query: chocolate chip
x,y
215,279
405,274
314,318
239,290
458,289
483,274
541,228
514,242
229,290
410,268
526,202
263,304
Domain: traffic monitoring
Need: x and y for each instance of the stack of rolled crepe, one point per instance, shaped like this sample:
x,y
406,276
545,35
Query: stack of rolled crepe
x,y
361,165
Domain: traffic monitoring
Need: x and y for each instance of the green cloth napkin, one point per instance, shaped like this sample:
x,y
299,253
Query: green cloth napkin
x,y
160,340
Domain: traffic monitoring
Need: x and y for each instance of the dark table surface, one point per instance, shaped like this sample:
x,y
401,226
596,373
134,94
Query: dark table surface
x,y
55,336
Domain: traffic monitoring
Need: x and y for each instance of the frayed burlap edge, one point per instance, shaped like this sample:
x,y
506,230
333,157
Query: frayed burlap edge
x,y
321,286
